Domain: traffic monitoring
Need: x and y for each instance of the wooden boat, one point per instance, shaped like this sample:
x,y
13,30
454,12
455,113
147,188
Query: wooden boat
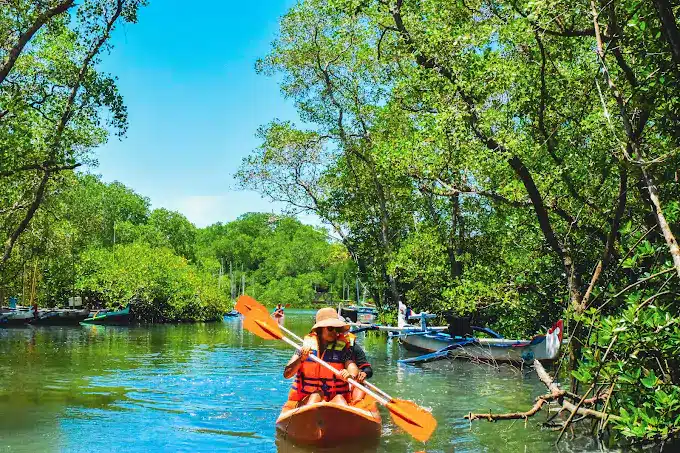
x,y
362,314
327,424
60,317
441,345
111,318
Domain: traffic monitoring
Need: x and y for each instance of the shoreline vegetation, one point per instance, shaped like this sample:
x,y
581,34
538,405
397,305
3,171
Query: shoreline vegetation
x,y
110,248
513,161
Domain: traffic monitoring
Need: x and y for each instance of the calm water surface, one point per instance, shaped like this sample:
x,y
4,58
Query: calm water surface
x,y
216,387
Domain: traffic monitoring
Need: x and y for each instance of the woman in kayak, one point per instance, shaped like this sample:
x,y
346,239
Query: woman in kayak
x,y
313,382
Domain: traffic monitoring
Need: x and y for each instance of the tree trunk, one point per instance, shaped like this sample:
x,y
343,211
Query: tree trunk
x,y
661,220
455,247
669,28
37,200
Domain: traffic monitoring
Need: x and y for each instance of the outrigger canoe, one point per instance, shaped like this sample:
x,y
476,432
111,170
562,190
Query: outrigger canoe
x,y
328,424
441,345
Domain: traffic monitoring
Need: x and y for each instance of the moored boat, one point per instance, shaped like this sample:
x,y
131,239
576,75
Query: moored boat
x,y
111,318
60,317
16,317
327,424
440,345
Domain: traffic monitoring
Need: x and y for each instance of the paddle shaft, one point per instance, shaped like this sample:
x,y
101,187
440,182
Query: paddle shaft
x,y
367,384
377,397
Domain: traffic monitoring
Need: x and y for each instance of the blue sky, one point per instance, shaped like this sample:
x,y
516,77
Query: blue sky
x,y
186,72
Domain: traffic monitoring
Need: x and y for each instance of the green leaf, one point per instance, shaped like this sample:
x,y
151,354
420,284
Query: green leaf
x,y
650,380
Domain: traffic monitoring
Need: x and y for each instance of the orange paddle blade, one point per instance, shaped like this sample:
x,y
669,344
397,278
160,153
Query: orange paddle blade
x,y
262,325
245,304
412,418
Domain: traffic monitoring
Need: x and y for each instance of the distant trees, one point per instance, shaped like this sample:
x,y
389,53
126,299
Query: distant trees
x,y
279,259
103,240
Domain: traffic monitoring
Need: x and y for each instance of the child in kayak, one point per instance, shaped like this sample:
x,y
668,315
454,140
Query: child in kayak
x,y
359,357
313,382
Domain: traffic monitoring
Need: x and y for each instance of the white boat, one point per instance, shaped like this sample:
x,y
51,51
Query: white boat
x,y
439,345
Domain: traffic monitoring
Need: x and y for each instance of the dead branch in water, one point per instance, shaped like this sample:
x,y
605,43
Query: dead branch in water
x,y
567,401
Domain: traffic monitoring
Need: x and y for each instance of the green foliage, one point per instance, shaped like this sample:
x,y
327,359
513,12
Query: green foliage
x,y
637,352
55,105
162,286
281,259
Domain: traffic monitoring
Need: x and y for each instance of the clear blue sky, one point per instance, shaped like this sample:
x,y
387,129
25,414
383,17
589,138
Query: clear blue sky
x,y
186,72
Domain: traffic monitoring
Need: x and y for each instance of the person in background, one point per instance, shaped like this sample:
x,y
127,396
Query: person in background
x,y
313,382
404,314
278,311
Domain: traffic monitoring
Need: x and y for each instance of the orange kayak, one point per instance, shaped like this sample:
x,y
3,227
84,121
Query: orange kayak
x,y
327,424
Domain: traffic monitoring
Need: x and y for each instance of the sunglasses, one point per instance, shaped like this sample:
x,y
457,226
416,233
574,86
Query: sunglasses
x,y
336,329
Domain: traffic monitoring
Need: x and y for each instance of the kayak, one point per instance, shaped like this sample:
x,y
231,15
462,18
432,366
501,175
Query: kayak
x,y
112,318
327,424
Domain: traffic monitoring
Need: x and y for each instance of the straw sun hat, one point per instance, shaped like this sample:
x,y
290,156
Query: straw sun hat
x,y
328,317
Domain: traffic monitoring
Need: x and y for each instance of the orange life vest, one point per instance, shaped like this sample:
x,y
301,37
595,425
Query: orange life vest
x,y
313,378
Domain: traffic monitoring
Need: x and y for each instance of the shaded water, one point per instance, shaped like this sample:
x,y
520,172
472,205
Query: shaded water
x,y
215,387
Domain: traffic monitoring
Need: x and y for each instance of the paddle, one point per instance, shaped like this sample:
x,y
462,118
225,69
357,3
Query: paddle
x,y
413,419
246,304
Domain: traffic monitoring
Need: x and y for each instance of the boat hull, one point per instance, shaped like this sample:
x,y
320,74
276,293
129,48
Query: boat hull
x,y
15,318
328,424
543,347
114,318
61,318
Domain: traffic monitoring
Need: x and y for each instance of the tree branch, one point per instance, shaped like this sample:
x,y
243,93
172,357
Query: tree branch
x,y
632,147
25,37
556,394
669,28
514,161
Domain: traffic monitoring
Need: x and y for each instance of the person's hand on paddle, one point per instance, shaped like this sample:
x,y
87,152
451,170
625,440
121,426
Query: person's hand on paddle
x,y
304,353
345,375
361,377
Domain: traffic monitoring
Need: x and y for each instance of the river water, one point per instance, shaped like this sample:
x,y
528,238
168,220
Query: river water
x,y
216,387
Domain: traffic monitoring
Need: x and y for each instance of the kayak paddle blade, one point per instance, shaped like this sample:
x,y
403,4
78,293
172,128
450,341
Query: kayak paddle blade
x,y
412,418
262,325
245,304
